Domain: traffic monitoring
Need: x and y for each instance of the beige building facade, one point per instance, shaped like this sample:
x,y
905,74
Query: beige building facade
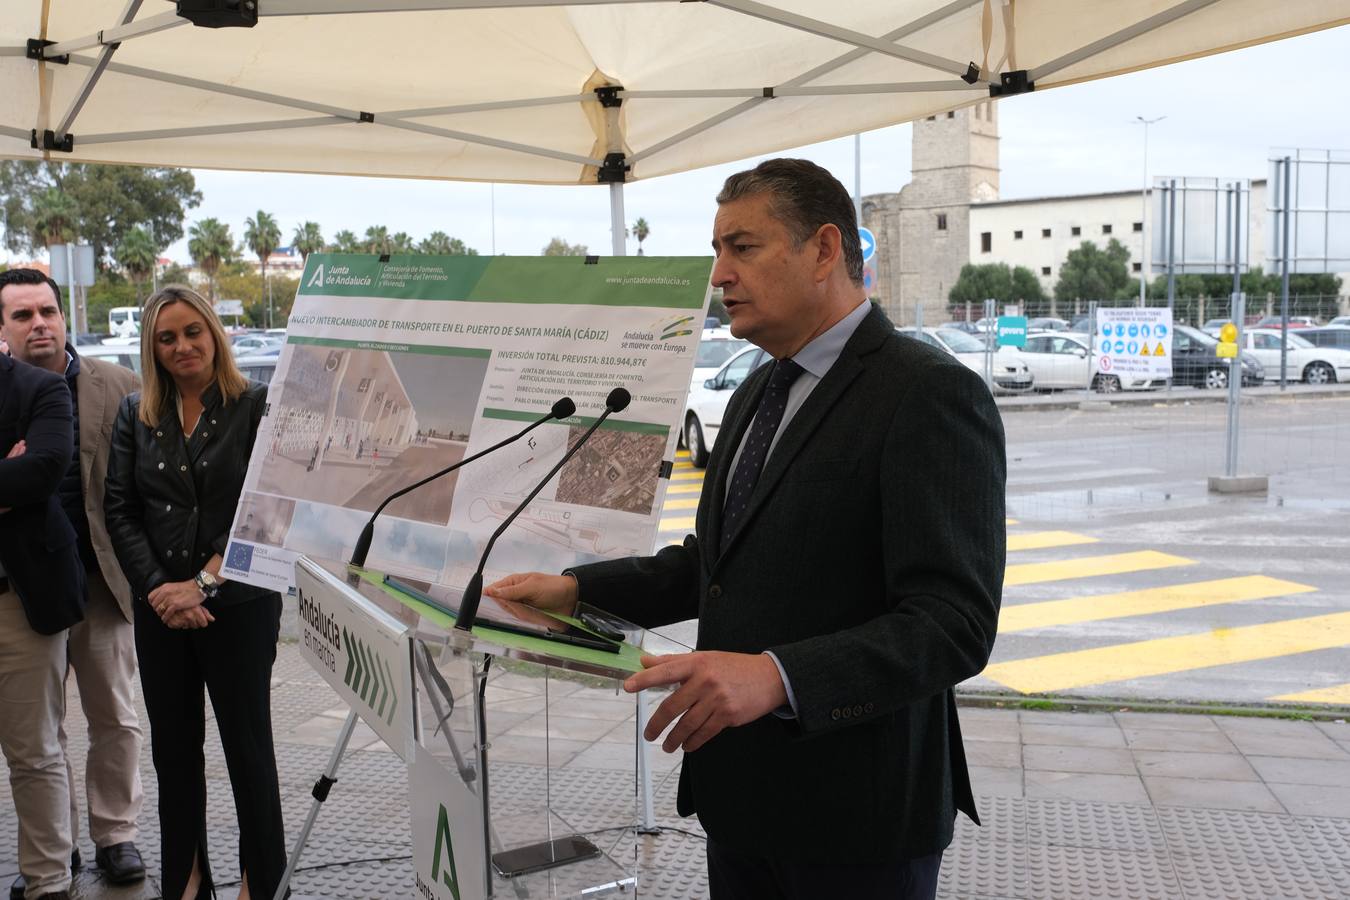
x,y
950,214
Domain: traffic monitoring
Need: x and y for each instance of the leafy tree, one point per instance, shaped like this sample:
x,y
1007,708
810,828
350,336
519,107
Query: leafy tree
x,y
110,289
640,231
108,201
438,243
377,240
236,281
995,281
1026,288
308,238
559,247
211,246
346,242
137,255
1091,273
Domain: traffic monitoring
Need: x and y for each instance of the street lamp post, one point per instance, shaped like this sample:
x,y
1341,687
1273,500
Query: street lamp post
x,y
1143,221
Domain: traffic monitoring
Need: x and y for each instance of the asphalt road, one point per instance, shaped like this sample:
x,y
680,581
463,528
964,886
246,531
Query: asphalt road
x,y
1127,580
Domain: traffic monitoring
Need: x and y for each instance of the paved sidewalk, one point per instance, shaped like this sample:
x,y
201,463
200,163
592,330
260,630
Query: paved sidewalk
x,y
1075,805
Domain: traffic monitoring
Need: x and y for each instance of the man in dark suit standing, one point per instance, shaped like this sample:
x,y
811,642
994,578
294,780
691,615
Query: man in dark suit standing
x,y
41,596
846,571
102,648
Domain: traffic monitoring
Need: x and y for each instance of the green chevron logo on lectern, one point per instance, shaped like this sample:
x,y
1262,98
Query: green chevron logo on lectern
x,y
370,678
449,877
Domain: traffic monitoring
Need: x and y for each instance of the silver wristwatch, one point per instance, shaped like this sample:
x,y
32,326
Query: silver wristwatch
x,y
207,583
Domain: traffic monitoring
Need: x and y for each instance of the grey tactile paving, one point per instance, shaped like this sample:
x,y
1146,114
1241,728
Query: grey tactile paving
x,y
983,869
1230,834
1108,826
1206,879
1087,843
1077,872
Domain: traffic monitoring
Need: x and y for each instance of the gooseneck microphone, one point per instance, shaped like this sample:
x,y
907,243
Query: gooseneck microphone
x,y
617,401
561,410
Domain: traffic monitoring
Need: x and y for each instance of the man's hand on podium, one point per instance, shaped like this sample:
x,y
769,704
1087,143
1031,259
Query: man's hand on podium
x,y
551,593
716,690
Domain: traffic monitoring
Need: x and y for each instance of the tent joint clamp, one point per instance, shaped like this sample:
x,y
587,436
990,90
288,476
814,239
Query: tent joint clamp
x,y
364,116
34,49
614,170
49,142
972,74
1011,83
609,96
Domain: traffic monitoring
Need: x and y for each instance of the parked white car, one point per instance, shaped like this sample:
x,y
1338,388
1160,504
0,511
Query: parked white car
x,y
715,347
707,402
1065,361
1307,361
1011,373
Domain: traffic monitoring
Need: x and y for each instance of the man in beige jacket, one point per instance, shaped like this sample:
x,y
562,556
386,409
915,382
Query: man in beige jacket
x,y
102,648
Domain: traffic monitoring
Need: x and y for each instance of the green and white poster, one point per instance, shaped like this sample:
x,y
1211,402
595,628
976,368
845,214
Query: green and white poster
x,y
393,370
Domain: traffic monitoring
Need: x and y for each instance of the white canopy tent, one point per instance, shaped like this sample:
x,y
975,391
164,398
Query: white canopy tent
x,y
553,92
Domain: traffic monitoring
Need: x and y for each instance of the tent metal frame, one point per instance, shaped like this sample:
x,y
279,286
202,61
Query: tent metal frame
x,y
968,76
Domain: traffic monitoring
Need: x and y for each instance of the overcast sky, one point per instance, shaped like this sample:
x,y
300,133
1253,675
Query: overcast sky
x,y
1224,114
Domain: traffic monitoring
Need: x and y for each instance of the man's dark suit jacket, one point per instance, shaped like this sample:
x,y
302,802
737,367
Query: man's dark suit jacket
x,y
870,561
37,542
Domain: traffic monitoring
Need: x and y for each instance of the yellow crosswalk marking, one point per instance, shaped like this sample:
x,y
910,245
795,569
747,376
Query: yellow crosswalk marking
x,y
1076,610
673,522
1141,659
1011,522
691,475
685,487
1339,694
681,454
680,503
1042,540
1088,566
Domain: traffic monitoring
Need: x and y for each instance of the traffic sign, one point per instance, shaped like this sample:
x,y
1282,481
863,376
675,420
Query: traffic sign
x,y
869,243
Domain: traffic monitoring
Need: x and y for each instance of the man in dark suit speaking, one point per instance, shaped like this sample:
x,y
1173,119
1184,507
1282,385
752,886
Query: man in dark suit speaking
x,y
846,571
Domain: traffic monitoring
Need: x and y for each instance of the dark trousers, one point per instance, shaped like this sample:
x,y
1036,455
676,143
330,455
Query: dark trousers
x,y
232,658
738,876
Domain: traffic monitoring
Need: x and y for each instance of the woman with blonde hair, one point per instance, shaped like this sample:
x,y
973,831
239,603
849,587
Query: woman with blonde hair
x,y
180,449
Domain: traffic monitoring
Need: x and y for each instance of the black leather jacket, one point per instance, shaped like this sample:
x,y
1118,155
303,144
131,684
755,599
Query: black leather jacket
x,y
169,504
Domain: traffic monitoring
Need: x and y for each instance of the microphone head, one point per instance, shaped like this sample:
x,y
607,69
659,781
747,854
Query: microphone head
x,y
564,408
618,400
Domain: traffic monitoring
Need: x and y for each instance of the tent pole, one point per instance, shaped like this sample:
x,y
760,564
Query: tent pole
x,y
618,245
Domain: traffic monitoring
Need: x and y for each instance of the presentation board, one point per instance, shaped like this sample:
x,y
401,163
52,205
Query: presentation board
x,y
395,369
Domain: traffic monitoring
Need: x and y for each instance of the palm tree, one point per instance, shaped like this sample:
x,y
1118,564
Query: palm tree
x,y
345,241
401,242
262,235
54,214
308,239
210,244
138,255
640,231
436,244
377,239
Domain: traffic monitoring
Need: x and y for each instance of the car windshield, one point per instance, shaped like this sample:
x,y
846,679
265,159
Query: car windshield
x,y
959,341
1298,340
1198,336
712,354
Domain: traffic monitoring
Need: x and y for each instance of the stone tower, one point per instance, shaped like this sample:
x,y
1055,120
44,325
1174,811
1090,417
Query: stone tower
x,y
923,233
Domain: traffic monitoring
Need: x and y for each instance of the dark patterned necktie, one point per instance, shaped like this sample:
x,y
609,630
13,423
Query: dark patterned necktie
x,y
755,449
